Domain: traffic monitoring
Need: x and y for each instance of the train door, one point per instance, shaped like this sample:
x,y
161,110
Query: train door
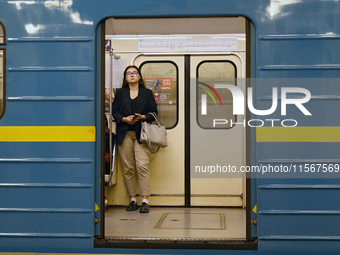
x,y
217,137
164,75
193,169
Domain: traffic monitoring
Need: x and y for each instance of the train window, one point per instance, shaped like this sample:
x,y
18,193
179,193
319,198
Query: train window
x,y
2,81
162,77
213,101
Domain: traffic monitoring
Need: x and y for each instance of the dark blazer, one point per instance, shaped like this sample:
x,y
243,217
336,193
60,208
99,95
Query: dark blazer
x,y
121,107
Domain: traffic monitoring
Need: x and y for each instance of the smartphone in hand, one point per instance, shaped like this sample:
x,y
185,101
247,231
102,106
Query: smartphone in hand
x,y
135,117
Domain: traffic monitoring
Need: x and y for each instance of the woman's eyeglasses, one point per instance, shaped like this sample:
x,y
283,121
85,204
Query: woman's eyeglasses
x,y
131,73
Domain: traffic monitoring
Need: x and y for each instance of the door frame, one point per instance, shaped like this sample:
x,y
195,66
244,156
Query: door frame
x,y
247,72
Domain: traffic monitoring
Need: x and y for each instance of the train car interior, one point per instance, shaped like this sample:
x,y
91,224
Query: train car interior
x,y
177,58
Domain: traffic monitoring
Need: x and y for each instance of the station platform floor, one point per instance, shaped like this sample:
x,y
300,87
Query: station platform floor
x,y
176,223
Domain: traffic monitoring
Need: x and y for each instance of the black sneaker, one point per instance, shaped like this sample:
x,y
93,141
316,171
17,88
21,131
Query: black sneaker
x,y
132,206
144,208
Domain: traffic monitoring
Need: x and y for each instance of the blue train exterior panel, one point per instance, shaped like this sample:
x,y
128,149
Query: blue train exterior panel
x,y
47,199
48,186
50,81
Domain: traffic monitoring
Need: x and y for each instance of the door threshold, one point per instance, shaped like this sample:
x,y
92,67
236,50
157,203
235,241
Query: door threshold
x,y
175,243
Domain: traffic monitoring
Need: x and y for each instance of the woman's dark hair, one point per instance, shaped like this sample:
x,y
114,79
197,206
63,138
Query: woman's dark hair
x,y
141,81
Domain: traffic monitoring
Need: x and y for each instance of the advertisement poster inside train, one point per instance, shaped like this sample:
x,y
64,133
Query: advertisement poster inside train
x,y
161,88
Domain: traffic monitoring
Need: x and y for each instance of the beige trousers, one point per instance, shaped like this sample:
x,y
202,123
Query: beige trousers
x,y
135,158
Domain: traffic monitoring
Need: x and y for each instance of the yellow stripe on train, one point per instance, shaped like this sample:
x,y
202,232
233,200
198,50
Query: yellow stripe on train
x,y
48,134
298,134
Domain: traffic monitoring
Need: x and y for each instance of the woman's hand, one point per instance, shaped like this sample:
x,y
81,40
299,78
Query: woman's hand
x,y
132,119
140,117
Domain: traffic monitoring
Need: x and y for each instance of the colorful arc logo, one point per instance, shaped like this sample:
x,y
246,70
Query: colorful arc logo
x,y
204,97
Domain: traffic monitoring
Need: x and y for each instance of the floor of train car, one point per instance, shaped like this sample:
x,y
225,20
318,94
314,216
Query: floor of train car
x,y
176,225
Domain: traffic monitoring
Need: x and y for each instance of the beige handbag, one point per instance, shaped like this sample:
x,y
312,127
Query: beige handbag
x,y
153,135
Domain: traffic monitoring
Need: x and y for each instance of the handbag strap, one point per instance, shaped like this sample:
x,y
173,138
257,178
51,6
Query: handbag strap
x,y
155,116
150,148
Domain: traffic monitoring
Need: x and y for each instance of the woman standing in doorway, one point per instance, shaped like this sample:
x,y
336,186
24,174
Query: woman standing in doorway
x,y
133,104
